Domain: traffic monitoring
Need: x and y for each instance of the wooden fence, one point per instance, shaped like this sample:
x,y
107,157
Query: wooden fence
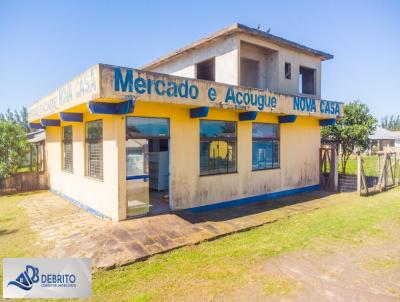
x,y
388,174
23,182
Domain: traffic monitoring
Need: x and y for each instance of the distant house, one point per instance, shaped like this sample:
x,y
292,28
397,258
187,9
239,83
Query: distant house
x,y
385,140
37,140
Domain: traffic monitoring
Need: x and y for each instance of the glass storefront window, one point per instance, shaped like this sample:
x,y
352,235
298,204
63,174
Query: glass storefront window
x,y
139,127
265,154
217,147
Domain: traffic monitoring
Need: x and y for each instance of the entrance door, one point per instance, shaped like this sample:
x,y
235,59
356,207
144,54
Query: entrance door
x,y
147,165
137,176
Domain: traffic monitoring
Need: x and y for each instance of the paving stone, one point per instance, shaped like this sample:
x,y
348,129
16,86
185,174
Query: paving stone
x,y
78,233
136,249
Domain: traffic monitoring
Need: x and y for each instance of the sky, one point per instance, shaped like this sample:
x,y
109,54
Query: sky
x,y
44,44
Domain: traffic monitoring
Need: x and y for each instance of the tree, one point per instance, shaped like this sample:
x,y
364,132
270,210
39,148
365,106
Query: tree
x,y
391,122
352,131
14,147
20,118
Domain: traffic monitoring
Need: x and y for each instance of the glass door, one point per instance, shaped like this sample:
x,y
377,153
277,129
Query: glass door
x,y
147,165
137,176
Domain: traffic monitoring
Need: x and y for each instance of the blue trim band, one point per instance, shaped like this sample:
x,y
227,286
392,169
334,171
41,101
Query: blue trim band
x,y
253,199
71,117
327,122
199,112
50,123
81,205
287,119
137,177
111,108
247,116
36,126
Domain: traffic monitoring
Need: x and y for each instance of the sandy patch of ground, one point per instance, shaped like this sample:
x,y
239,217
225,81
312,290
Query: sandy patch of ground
x,y
366,272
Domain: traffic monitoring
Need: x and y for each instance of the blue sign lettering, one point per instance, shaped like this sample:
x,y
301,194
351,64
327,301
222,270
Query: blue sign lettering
x,y
183,89
212,94
123,84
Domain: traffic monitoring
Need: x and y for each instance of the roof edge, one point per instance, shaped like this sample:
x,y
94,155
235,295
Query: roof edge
x,y
237,28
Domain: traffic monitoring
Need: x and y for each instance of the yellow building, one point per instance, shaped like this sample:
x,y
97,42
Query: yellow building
x,y
231,119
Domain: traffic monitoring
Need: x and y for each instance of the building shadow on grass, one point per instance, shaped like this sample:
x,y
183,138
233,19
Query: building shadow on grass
x,y
225,212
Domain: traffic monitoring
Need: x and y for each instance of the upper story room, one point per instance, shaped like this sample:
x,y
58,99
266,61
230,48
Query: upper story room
x,y
240,55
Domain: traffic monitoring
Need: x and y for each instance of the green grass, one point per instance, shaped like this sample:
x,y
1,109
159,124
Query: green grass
x,y
221,266
16,238
370,164
279,286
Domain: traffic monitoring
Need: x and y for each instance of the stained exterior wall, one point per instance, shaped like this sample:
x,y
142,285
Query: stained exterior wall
x,y
100,195
300,143
298,161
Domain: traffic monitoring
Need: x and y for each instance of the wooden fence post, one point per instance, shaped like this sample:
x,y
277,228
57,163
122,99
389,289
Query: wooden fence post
x,y
336,176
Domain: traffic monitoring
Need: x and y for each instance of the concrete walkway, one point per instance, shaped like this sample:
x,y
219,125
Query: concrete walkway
x,y
68,231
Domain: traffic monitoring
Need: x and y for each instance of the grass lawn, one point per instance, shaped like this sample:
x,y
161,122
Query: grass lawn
x,y
211,268
16,238
371,166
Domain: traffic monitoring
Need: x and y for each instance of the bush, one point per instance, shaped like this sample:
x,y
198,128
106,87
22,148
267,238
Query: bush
x,y
14,147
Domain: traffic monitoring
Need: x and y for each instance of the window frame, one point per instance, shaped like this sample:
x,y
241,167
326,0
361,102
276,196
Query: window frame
x,y
63,167
267,139
144,136
224,139
87,142
288,75
301,76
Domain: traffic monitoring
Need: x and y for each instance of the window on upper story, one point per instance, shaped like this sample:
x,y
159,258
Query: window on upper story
x,y
288,71
307,80
206,70
249,73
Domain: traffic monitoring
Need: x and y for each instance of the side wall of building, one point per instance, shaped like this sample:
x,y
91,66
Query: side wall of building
x,y
97,196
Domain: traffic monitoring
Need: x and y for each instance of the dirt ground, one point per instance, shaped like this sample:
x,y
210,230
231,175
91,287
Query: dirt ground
x,y
369,271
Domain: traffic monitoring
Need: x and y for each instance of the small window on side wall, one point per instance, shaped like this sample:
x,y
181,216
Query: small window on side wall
x,y
94,149
307,80
266,147
288,71
67,159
